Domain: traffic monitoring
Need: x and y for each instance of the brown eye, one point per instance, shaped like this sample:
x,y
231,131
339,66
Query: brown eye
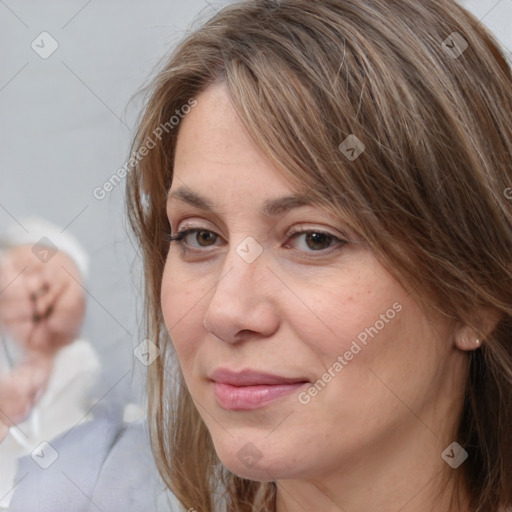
x,y
206,238
315,241
318,241
195,238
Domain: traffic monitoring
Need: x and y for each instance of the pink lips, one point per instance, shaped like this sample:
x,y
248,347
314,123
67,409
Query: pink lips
x,y
249,389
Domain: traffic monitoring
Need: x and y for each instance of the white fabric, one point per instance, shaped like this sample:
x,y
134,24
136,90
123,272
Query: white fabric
x,y
64,405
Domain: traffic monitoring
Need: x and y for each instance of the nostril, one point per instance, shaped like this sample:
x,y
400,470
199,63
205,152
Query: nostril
x,y
241,335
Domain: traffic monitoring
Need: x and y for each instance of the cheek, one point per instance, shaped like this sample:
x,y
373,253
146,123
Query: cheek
x,y
181,301
330,316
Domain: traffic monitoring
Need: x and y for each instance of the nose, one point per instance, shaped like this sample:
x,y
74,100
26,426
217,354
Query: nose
x,y
242,304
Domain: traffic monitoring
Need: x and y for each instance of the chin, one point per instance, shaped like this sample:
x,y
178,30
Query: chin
x,y
255,474
257,460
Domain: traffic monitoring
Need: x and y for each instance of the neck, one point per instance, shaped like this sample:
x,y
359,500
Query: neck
x,y
400,476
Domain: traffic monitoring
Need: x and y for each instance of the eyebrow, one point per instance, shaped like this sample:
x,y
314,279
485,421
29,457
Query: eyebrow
x,y
271,207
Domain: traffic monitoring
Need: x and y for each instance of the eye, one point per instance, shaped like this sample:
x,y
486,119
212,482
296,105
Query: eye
x,y
315,240
303,240
195,238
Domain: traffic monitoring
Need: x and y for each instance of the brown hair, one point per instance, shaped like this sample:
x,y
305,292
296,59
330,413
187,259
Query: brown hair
x,y
427,194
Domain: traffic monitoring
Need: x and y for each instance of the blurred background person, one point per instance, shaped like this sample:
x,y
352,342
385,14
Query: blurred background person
x,y
46,371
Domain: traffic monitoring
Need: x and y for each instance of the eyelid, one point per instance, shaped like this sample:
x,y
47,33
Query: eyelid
x,y
185,211
185,214
340,235
200,225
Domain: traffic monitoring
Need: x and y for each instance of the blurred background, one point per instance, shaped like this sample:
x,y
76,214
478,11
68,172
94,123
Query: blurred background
x,y
69,73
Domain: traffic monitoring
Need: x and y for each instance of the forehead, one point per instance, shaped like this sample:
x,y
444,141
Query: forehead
x,y
216,161
212,128
215,154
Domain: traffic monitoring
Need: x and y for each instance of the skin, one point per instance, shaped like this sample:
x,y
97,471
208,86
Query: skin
x,y
42,307
372,438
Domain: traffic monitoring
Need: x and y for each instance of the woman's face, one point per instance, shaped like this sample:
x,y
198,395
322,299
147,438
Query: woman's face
x,y
302,354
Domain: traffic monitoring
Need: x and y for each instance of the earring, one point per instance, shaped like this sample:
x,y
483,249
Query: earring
x,y
477,342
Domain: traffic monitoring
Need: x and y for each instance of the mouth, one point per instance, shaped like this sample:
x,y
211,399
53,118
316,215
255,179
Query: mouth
x,y
249,389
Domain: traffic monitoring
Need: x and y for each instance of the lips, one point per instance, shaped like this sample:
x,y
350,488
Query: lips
x,y
251,378
249,389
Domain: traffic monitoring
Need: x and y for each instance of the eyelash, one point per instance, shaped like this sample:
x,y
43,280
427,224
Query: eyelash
x,y
180,236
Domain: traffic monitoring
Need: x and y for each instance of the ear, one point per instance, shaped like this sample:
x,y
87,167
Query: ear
x,y
473,337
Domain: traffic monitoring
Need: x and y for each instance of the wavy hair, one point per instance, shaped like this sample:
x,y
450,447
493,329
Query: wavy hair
x,y
428,91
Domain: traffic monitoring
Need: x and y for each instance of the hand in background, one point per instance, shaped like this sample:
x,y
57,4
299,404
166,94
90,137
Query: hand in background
x,y
21,389
4,430
42,305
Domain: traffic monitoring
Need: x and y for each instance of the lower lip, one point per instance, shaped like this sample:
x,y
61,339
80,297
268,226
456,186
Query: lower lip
x,y
239,398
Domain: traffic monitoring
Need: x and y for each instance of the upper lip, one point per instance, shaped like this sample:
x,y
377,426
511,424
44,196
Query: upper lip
x,y
251,378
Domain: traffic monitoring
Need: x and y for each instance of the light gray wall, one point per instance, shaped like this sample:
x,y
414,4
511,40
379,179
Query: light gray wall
x,y
66,125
